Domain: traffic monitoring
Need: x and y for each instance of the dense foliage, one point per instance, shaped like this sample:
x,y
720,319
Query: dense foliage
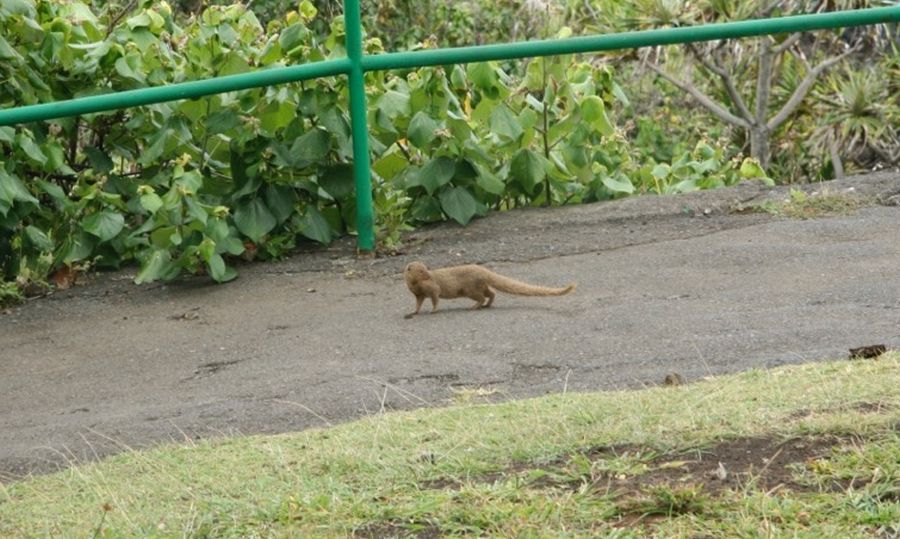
x,y
181,186
809,106
185,186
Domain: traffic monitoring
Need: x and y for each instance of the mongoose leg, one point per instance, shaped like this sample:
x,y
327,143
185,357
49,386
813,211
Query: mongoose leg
x,y
419,301
478,298
490,297
434,302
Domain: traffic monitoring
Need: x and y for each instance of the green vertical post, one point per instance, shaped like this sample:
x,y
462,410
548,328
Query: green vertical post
x,y
365,217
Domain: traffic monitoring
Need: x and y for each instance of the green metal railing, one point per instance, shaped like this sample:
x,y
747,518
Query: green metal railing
x,y
356,64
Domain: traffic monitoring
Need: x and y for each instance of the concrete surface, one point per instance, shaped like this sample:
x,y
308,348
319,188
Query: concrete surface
x,y
666,284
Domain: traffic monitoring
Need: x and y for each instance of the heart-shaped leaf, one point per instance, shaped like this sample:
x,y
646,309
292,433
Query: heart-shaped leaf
x,y
254,219
617,185
157,266
11,189
527,169
280,200
661,171
311,146
222,121
337,181
489,181
38,238
314,226
436,173
30,148
421,130
218,270
505,125
594,112
105,224
459,204
151,202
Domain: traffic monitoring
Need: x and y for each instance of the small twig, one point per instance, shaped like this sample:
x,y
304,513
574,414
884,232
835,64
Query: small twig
x,y
718,110
787,43
115,20
403,150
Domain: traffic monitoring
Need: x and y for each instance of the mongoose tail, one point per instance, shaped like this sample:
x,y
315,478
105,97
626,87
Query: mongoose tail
x,y
512,286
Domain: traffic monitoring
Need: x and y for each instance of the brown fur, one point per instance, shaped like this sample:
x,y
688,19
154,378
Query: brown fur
x,y
471,281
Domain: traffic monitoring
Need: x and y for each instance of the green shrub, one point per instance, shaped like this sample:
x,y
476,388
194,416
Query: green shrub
x,y
181,187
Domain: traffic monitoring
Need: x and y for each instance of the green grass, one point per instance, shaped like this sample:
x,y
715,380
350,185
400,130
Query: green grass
x,y
9,294
802,205
614,464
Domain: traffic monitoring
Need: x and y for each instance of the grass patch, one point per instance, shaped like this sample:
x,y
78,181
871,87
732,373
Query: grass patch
x,y
803,205
9,294
810,451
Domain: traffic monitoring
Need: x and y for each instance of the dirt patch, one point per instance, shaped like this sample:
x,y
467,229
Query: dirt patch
x,y
650,487
868,352
762,463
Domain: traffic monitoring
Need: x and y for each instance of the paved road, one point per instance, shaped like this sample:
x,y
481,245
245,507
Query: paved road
x,y
666,284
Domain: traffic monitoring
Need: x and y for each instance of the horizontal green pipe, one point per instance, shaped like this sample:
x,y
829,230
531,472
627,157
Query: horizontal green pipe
x,y
172,92
194,89
629,40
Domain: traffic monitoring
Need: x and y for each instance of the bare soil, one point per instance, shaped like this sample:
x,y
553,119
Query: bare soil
x,y
689,284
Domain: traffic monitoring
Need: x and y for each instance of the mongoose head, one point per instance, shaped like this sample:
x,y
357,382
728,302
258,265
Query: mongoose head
x,y
416,271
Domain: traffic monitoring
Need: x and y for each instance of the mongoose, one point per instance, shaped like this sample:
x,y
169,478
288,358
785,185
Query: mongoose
x,y
471,281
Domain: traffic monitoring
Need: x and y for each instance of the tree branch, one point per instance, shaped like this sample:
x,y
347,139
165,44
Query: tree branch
x,y
787,43
836,163
763,84
718,110
804,87
726,80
